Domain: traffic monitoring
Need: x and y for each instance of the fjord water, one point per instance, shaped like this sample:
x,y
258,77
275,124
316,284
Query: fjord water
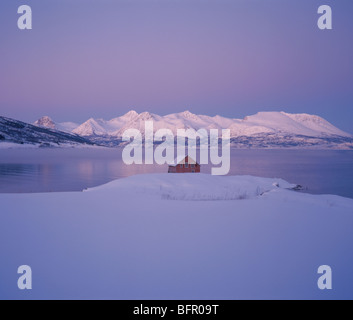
x,y
50,170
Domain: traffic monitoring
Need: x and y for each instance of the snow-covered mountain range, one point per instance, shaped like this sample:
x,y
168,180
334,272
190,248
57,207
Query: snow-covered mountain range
x,y
262,122
264,129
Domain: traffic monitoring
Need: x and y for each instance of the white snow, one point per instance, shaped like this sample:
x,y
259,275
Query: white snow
x,y
196,186
144,237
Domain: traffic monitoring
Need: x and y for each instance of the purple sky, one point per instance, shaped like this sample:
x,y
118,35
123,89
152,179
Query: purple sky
x,y
101,58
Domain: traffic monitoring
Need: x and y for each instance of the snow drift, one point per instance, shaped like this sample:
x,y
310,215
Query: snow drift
x,y
195,186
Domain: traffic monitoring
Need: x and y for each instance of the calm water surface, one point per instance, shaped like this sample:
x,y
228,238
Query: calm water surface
x,y
48,170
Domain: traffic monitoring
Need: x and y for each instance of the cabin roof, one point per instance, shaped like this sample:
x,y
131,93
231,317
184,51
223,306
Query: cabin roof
x,y
181,160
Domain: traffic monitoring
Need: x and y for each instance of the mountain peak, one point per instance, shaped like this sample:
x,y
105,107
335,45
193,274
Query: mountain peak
x,y
291,123
145,116
46,122
189,115
130,115
91,120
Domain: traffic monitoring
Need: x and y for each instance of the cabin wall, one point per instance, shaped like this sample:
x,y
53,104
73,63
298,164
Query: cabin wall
x,y
181,168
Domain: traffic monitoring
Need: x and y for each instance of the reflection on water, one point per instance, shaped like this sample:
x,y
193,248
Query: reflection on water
x,y
46,170
17,169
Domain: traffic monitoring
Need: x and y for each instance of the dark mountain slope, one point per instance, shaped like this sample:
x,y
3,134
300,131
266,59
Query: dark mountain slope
x,y
23,133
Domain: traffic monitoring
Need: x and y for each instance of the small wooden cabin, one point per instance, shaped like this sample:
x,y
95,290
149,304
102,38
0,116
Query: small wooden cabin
x,y
184,165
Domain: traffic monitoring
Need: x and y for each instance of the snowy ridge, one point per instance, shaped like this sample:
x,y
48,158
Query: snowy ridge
x,y
196,187
261,123
100,127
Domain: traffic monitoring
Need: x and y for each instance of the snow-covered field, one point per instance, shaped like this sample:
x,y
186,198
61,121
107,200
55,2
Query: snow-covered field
x,y
177,236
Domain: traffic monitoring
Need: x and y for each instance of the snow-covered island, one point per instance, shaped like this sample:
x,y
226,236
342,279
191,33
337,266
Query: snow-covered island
x,y
177,236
